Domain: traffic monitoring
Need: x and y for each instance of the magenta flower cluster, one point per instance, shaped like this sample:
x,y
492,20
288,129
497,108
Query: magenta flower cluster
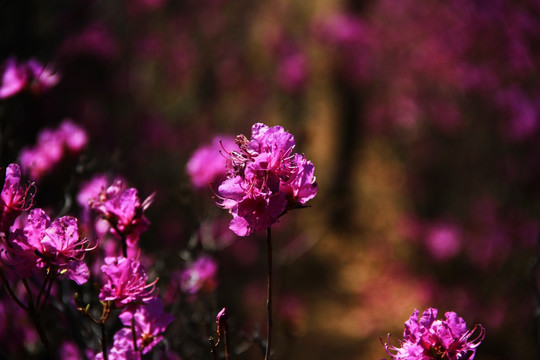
x,y
45,244
123,209
144,329
30,75
51,147
126,282
150,321
426,338
15,197
265,179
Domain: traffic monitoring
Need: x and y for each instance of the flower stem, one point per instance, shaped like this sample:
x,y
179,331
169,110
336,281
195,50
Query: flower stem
x,y
41,332
104,316
34,316
103,341
226,337
269,295
11,293
123,238
213,349
133,334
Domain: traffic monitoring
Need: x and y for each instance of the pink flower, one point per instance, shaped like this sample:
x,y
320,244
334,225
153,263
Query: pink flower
x,y
51,145
207,164
443,240
74,137
126,282
54,245
42,78
292,72
91,189
200,276
14,198
265,179
122,208
426,338
32,75
151,321
122,348
13,80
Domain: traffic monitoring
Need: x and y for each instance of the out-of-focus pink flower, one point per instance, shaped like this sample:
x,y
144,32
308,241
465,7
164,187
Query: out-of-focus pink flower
x,y
200,276
122,348
342,30
70,351
13,80
32,75
265,179
426,338
151,321
91,189
49,150
53,245
207,165
292,72
74,136
122,208
126,282
95,40
350,38
14,198
41,77
443,240
521,113
292,311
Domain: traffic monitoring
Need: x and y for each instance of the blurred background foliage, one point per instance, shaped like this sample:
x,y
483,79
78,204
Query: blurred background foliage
x,y
421,117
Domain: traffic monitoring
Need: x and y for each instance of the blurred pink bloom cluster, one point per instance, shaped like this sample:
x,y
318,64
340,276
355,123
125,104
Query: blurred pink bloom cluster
x,y
207,165
199,276
51,144
30,75
426,338
265,179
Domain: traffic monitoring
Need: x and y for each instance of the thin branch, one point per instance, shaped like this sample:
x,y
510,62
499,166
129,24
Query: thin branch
x,y
11,293
269,296
134,334
40,308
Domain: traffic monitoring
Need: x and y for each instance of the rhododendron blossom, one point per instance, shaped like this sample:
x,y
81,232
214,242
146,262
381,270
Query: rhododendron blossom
x,y
426,338
123,209
43,243
265,179
150,321
125,282
14,198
